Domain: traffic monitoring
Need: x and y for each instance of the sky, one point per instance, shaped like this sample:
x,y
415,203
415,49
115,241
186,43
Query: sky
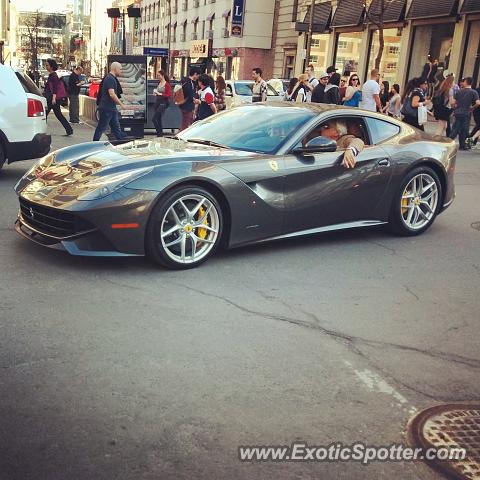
x,y
43,5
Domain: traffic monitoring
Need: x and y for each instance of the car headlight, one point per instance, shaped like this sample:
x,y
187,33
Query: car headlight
x,y
104,186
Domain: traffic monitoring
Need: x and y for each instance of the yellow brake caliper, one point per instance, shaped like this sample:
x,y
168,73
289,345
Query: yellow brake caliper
x,y
405,203
202,232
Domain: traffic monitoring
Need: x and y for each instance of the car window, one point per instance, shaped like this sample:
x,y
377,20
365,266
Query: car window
x,y
251,128
229,89
339,126
271,92
244,89
28,84
381,130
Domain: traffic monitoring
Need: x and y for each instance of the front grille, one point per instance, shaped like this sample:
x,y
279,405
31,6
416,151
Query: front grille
x,y
51,221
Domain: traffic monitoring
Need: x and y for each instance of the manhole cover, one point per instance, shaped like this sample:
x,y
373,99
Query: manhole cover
x,y
475,225
450,426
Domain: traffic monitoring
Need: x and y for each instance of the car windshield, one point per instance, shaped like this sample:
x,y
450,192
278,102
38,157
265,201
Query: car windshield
x,y
243,88
253,128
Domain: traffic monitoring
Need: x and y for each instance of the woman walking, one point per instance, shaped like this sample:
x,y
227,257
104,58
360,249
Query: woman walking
x,y
162,93
413,98
220,88
353,95
384,94
442,106
290,89
395,102
55,92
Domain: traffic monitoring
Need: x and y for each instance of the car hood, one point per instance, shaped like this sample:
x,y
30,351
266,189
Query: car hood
x,y
69,174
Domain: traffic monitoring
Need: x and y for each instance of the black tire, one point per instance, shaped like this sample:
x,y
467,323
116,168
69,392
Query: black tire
x,y
396,222
154,248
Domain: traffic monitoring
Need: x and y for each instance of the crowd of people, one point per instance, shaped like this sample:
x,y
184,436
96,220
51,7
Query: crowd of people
x,y
199,96
449,104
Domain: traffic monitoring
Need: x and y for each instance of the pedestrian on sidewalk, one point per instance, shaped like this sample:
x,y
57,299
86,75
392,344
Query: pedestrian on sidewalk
x,y
206,100
414,97
318,94
353,94
55,92
220,90
74,84
186,103
259,89
395,102
371,93
162,93
312,81
108,98
464,100
442,105
332,90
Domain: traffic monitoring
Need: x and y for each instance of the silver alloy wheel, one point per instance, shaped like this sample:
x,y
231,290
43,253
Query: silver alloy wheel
x,y
419,201
189,228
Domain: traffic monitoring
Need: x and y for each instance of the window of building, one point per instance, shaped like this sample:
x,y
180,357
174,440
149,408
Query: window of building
x,y
436,40
349,46
289,68
391,51
314,59
315,42
320,45
471,62
203,29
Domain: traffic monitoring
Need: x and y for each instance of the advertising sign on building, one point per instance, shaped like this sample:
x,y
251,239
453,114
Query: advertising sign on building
x,y
199,49
237,17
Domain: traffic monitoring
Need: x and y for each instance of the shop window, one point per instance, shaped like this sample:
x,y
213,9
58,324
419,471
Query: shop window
x,y
471,62
349,46
391,51
289,66
320,45
436,40
315,42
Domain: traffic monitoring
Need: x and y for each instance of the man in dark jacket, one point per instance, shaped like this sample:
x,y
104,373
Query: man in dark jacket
x,y
189,92
332,90
318,92
74,84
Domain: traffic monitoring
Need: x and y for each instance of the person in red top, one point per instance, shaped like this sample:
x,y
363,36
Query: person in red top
x,y
162,93
206,102
55,91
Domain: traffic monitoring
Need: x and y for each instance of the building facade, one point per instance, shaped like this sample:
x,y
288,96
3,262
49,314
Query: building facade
x,y
220,36
344,35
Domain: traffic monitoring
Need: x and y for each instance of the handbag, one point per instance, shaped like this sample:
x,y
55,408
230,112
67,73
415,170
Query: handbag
x,y
422,115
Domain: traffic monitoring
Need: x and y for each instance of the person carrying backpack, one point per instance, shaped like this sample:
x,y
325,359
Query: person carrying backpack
x,y
55,92
184,97
108,98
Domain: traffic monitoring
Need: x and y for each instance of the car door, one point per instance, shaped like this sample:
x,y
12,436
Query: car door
x,y
320,191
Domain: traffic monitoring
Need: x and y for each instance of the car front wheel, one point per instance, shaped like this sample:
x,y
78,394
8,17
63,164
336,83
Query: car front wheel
x,y
184,229
417,202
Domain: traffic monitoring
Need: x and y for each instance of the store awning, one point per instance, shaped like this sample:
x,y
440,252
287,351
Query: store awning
x,y
183,23
321,18
195,19
431,8
226,13
394,10
211,17
470,6
349,13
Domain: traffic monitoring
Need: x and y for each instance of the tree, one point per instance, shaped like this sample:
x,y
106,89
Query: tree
x,y
32,24
375,12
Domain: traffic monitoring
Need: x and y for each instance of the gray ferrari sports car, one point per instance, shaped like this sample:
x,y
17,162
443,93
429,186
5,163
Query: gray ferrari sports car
x,y
255,173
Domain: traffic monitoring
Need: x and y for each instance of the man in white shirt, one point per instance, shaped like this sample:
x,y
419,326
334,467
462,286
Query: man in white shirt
x,y
371,93
312,81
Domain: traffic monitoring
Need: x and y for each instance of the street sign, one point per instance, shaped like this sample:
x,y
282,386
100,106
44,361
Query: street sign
x,y
237,17
155,52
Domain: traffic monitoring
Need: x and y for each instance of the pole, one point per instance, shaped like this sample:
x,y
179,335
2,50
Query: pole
x,y
310,34
124,35
169,58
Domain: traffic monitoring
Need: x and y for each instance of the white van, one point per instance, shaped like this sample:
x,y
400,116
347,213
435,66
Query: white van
x,y
23,123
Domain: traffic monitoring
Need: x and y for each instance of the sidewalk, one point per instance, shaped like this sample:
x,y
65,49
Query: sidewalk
x,y
81,133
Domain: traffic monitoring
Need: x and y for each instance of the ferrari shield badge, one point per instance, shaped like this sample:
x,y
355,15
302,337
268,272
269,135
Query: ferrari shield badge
x,y
273,165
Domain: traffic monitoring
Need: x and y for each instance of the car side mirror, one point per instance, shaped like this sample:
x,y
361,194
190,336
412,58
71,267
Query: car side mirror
x,y
317,145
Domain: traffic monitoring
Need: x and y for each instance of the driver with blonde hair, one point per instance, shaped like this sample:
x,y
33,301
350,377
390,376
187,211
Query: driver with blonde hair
x,y
350,143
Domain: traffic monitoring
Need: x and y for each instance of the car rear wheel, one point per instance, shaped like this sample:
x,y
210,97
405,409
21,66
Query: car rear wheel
x,y
417,202
184,229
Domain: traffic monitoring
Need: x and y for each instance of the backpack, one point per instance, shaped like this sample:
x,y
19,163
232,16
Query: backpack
x,y
178,95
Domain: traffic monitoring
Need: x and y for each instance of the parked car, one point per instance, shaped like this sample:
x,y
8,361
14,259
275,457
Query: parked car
x,y
23,126
280,85
83,88
239,92
247,175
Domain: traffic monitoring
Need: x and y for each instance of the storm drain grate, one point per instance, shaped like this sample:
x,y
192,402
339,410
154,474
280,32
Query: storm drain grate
x,y
450,426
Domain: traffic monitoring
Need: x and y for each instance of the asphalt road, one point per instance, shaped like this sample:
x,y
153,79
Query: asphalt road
x,y
115,369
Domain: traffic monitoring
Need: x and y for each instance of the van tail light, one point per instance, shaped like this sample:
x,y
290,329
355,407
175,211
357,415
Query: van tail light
x,y
35,108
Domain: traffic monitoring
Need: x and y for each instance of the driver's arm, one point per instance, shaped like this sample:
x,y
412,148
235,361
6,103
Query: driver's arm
x,y
352,146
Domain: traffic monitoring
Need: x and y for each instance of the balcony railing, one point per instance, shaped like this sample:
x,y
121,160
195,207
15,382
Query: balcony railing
x,y
209,34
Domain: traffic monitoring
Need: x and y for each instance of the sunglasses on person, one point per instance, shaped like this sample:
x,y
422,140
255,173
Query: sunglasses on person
x,y
355,79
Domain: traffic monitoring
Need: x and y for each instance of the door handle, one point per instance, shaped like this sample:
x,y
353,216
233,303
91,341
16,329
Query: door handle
x,y
384,162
